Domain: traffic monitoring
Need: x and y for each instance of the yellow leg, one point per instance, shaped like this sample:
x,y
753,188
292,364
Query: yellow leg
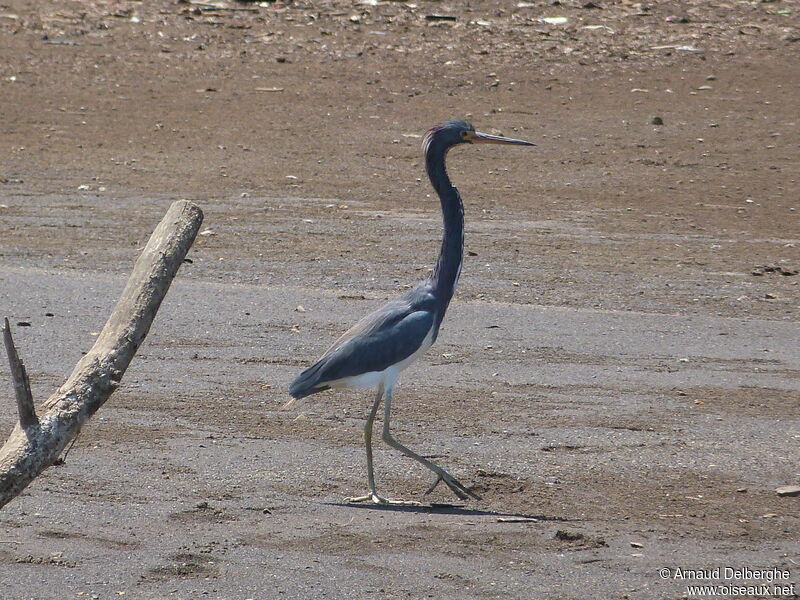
x,y
458,488
373,492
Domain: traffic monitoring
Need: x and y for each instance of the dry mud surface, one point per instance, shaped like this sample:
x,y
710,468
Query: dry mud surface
x,y
619,373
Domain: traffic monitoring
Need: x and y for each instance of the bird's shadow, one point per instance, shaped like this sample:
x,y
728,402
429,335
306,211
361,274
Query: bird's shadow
x,y
450,509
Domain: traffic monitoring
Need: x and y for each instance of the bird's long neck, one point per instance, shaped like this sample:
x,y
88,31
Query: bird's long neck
x,y
448,266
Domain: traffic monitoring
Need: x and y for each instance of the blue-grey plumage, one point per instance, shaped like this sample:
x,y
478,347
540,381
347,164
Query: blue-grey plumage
x,y
385,337
375,350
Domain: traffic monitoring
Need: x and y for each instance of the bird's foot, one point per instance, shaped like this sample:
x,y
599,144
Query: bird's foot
x,y
459,489
380,500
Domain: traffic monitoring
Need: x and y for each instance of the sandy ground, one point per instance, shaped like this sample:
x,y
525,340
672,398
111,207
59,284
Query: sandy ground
x,y
618,376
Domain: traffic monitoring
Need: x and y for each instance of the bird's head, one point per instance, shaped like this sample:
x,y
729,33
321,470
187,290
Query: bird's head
x,y
451,133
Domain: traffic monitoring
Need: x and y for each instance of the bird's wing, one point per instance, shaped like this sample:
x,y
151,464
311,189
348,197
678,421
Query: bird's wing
x,y
383,338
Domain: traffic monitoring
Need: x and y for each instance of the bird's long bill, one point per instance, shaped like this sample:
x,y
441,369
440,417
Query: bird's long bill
x,y
485,138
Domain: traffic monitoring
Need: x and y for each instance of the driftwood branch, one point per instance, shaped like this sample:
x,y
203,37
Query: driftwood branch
x,y
22,385
31,449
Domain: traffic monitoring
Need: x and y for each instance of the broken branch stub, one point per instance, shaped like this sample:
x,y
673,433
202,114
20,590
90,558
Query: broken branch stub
x,y
22,385
31,449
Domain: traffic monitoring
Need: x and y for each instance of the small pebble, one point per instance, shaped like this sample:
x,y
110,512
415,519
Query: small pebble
x,y
788,490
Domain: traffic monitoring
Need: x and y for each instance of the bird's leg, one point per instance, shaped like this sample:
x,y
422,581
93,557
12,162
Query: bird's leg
x,y
458,488
373,492
373,495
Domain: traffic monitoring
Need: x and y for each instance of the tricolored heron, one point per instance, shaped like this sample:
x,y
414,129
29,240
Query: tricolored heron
x,y
375,350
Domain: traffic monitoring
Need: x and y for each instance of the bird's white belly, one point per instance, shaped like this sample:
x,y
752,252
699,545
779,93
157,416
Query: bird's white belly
x,y
389,375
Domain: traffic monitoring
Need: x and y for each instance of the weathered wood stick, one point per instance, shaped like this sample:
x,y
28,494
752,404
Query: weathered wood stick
x,y
28,452
22,385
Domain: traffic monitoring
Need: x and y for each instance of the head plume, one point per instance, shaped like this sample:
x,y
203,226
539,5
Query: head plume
x,y
448,133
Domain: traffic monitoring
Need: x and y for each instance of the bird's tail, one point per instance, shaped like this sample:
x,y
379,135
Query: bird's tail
x,y
308,382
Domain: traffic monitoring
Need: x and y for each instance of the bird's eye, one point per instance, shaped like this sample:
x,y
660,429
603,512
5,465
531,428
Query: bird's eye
x,y
464,134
